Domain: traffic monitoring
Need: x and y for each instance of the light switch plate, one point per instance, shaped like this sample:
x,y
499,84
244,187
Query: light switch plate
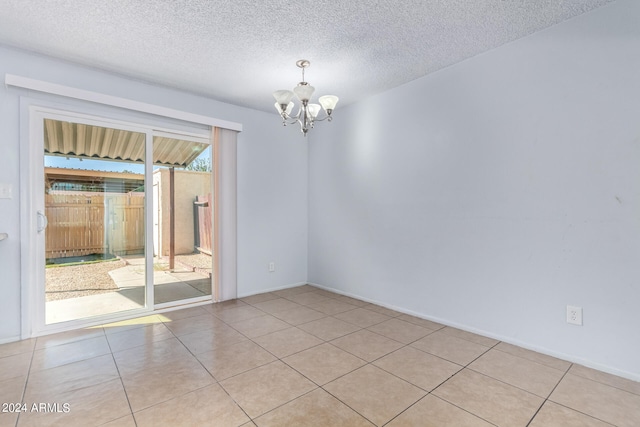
x,y
6,191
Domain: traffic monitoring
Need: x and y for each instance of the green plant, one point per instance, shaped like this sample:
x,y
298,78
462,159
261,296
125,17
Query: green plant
x,y
200,165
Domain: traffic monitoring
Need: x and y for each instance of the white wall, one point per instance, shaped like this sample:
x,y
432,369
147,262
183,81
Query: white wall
x,y
495,192
272,196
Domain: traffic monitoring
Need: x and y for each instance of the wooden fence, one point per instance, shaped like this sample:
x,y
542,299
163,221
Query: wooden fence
x,y
202,212
81,224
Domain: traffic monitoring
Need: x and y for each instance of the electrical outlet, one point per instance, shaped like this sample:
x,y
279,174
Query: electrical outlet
x,y
6,191
574,315
272,267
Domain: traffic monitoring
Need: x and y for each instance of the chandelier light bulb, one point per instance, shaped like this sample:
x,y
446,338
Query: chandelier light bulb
x,y
287,108
304,92
328,102
314,109
283,97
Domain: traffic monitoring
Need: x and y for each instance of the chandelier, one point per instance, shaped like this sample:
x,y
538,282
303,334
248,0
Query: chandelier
x,y
307,113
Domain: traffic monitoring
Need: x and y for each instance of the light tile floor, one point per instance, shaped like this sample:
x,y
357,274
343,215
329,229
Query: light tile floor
x,y
299,357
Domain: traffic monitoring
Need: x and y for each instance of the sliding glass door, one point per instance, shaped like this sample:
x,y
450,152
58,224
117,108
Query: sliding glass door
x,y
124,219
182,268
94,208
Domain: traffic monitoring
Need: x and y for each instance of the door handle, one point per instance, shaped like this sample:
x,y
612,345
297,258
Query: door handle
x,y
42,221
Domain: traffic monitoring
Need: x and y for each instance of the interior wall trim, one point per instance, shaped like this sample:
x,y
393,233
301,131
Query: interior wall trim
x,y
129,104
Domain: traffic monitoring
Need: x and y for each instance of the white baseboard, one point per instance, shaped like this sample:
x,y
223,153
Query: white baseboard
x,y
279,288
10,339
585,362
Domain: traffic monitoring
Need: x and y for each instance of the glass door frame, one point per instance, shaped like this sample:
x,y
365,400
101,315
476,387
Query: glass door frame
x,y
32,201
202,140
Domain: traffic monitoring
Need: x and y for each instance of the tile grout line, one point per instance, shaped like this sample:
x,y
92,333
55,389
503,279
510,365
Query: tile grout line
x,y
407,381
367,362
360,367
576,411
531,360
198,360
26,380
564,406
602,383
506,383
318,386
345,403
402,379
371,362
240,373
281,405
456,373
120,378
467,366
446,401
58,366
523,358
547,398
153,342
462,367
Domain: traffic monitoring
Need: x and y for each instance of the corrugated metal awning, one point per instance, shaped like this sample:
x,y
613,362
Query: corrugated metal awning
x,y
88,141
83,180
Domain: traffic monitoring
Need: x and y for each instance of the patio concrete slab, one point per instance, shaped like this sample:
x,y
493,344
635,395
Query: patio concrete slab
x,y
93,305
203,285
130,276
126,298
121,300
188,275
169,286
175,292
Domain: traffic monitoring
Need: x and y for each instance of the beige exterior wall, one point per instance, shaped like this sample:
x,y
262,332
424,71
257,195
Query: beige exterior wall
x,y
188,185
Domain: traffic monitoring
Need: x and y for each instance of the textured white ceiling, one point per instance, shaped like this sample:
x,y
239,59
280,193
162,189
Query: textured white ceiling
x,y
240,51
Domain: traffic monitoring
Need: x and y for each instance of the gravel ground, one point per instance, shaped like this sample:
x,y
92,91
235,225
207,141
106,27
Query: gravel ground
x,y
195,260
90,279
80,280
